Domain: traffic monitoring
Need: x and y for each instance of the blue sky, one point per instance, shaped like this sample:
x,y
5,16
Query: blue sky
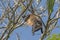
x,y
25,32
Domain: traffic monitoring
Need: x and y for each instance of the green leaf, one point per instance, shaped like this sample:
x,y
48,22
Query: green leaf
x,y
50,4
54,37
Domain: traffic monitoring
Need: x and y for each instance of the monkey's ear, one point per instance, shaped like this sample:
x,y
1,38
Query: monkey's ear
x,y
27,17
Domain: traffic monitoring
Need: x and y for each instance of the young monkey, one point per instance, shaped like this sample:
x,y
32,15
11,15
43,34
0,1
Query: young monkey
x,y
35,22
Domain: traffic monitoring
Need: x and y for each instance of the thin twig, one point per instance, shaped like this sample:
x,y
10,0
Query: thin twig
x,y
47,27
25,10
12,28
5,31
2,27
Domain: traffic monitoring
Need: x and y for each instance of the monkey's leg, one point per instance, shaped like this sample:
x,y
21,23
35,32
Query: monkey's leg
x,y
41,30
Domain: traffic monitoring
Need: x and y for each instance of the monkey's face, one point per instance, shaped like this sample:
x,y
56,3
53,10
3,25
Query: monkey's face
x,y
31,20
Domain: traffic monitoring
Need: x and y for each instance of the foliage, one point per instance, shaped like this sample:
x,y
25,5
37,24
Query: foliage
x,y
50,5
54,37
